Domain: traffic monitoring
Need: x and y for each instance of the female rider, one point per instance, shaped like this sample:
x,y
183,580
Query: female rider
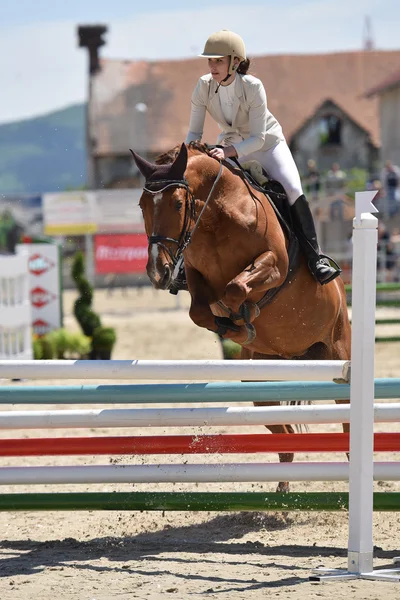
x,y
238,103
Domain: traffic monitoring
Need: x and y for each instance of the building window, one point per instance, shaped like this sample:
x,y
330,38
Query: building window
x,y
330,129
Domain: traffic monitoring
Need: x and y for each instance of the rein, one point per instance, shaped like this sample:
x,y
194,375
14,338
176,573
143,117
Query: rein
x,y
190,215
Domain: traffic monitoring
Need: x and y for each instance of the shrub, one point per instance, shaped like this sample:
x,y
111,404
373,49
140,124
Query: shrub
x,y
37,349
60,344
230,350
102,338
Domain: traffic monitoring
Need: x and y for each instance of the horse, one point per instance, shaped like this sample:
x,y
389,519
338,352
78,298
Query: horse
x,y
245,281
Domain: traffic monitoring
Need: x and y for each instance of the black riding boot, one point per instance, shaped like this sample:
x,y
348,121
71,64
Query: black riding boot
x,y
304,228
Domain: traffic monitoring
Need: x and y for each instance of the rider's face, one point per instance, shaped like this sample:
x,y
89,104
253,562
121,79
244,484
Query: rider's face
x,y
219,67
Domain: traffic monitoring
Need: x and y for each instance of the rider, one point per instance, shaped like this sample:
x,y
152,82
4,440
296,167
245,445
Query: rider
x,y
238,103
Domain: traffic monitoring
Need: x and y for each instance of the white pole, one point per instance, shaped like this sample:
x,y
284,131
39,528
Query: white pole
x,y
188,417
365,239
194,473
209,370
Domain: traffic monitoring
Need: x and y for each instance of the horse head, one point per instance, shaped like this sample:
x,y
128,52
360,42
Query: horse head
x,y
167,205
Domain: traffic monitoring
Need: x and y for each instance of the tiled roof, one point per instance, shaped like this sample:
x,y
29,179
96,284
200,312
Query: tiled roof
x,y
296,86
389,82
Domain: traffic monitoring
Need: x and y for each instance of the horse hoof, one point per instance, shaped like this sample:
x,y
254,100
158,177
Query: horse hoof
x,y
246,335
249,311
251,334
283,487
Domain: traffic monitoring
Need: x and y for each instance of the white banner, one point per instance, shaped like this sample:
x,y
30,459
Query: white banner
x,y
118,211
44,286
69,213
101,211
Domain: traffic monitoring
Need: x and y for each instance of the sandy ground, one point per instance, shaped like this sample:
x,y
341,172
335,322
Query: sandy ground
x,y
232,556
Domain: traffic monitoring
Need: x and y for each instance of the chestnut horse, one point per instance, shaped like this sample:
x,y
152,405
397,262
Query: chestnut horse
x,y
242,282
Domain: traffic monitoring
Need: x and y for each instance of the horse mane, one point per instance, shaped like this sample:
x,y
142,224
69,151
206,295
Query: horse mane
x,y
195,148
168,157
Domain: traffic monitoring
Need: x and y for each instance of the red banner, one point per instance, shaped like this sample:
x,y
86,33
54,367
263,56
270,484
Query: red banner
x,y
125,253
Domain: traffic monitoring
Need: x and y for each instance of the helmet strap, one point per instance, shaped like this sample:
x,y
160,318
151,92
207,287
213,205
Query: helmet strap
x,y
231,70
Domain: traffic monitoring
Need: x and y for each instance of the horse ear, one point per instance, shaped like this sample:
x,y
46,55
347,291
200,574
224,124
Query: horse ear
x,y
145,167
179,165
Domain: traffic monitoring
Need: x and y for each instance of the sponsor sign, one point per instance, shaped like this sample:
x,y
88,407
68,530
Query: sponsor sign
x,y
41,297
125,253
41,327
44,286
39,264
90,212
118,211
69,213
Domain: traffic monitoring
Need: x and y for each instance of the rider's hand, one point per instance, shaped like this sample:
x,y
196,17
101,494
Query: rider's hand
x,y
218,153
223,153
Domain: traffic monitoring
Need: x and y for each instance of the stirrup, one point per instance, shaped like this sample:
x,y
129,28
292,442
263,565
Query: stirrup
x,y
328,261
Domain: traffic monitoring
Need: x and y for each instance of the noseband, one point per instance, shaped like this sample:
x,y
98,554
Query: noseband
x,y
153,188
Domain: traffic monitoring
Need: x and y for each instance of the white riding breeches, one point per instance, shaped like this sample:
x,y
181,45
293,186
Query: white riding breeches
x,y
279,164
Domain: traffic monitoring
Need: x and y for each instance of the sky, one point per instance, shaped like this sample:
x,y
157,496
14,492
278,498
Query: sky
x,y
42,69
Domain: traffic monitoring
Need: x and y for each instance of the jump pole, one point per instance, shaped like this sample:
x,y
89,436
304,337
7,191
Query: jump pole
x,y
360,545
182,370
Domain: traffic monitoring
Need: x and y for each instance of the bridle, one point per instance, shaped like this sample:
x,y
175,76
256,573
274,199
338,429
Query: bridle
x,y
185,237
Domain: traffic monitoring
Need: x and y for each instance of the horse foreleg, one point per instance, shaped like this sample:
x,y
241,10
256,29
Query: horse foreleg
x,y
200,312
261,275
284,457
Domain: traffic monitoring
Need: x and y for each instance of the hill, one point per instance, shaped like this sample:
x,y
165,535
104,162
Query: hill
x,y
45,153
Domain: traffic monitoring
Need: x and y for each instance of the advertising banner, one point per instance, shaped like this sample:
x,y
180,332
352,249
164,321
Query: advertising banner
x,y
101,211
126,253
44,286
69,213
118,211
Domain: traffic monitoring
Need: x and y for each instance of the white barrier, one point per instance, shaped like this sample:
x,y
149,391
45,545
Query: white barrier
x,y
189,417
15,309
186,370
195,473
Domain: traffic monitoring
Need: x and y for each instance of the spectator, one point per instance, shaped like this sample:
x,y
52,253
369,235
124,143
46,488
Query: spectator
x,y
336,181
391,182
312,180
387,255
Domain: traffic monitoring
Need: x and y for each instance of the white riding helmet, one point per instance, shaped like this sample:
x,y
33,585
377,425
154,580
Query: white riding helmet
x,y
225,43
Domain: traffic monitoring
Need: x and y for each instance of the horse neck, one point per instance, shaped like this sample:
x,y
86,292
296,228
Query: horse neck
x,y
204,172
231,195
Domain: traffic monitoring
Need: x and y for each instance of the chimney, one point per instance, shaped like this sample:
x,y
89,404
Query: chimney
x,y
91,37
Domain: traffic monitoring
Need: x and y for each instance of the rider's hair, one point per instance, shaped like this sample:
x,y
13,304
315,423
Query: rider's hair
x,y
243,67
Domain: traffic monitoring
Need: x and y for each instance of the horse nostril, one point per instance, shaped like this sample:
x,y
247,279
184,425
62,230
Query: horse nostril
x,y
166,276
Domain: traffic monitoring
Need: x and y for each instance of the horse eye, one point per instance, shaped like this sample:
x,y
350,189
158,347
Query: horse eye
x,y
178,204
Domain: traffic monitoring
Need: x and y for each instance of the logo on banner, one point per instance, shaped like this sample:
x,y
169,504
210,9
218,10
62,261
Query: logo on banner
x,y
40,297
39,264
123,253
41,327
